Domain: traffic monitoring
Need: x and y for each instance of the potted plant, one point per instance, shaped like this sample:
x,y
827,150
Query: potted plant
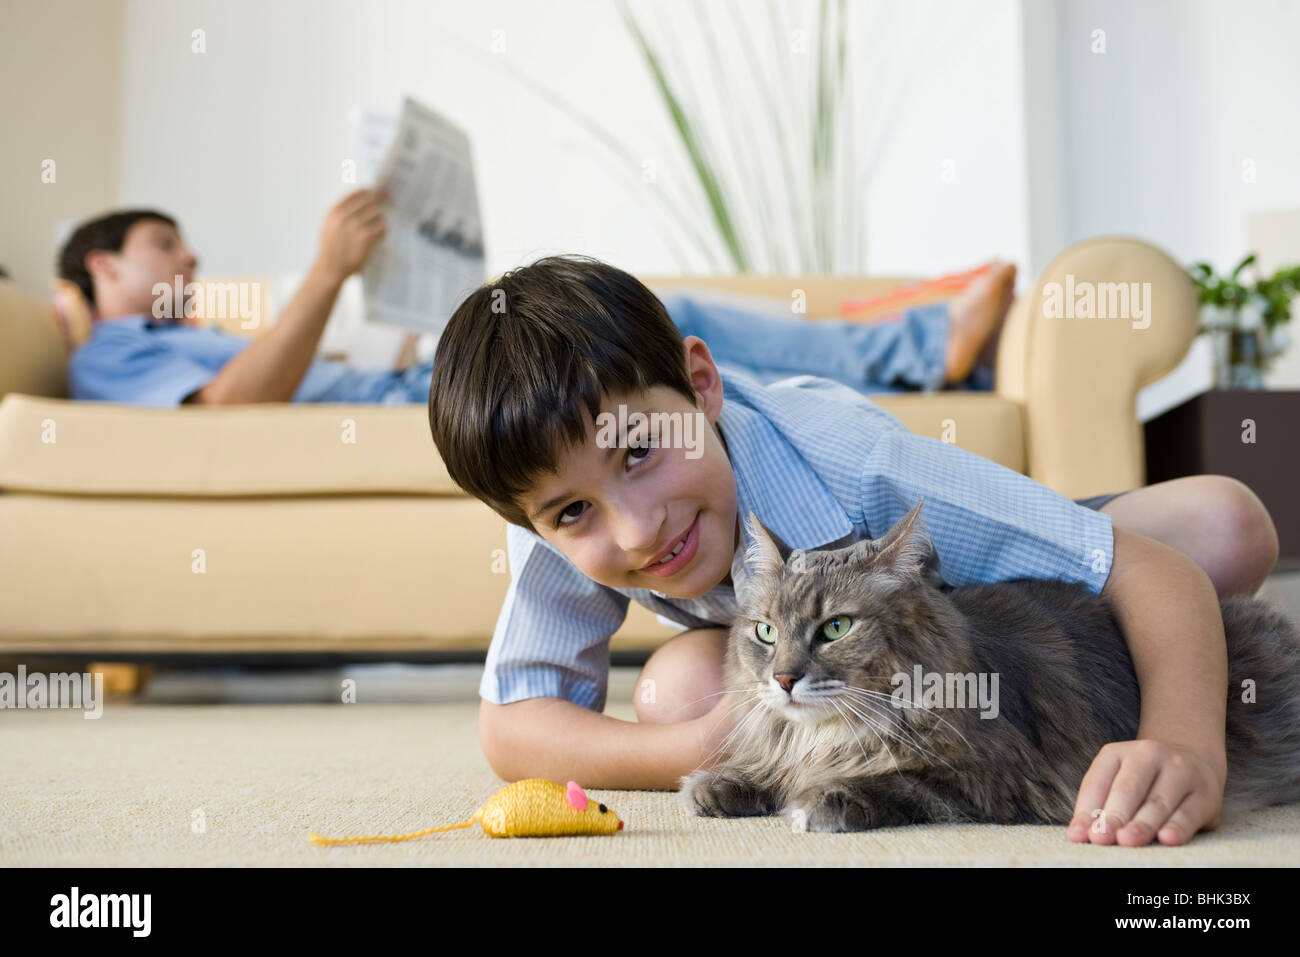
x,y
1244,319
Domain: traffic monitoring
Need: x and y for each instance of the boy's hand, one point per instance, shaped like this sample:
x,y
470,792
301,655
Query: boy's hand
x,y
1138,790
350,231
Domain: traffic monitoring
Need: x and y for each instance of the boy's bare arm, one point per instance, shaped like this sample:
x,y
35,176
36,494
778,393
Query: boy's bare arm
x,y
561,741
1168,783
273,366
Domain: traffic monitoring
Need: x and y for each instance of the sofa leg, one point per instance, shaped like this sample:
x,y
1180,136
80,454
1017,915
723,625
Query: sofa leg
x,y
122,678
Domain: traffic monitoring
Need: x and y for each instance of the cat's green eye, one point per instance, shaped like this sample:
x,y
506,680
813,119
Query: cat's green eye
x,y
837,627
765,632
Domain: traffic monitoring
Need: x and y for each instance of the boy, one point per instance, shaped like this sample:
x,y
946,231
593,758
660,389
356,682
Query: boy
x,y
530,372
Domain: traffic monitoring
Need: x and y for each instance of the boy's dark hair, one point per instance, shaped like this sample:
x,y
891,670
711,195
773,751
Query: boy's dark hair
x,y
106,232
522,357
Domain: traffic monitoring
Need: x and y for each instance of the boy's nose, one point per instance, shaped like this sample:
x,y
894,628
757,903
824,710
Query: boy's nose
x,y
638,536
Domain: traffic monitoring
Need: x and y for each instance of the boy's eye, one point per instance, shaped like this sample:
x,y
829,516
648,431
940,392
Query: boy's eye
x,y
639,450
559,516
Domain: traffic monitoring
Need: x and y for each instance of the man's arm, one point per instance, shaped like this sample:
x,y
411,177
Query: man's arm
x,y
273,366
561,741
1169,782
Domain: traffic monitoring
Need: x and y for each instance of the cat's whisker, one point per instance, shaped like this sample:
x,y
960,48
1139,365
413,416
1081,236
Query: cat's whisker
x,y
900,721
873,721
715,694
914,743
931,711
910,738
865,757
750,715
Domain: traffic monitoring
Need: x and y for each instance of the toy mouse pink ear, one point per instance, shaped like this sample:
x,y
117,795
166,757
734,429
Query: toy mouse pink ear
x,y
576,795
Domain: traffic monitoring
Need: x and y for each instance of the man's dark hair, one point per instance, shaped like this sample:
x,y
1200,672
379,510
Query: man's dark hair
x,y
522,357
106,232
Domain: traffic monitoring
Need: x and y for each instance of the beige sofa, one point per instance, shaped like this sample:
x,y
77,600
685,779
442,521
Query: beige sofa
x,y
261,529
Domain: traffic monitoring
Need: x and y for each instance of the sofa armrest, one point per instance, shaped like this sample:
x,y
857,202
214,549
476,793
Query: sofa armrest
x,y
1077,378
32,354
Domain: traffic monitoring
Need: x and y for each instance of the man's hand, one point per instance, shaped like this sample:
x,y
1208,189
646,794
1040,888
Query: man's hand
x,y
351,230
1138,790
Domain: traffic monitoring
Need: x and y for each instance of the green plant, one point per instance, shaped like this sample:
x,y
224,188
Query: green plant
x,y
1244,317
805,153
771,144
1271,295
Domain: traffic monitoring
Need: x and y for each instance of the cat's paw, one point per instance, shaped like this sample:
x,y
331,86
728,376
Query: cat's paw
x,y
709,794
834,812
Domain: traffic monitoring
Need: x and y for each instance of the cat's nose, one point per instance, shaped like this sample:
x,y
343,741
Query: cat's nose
x,y
786,681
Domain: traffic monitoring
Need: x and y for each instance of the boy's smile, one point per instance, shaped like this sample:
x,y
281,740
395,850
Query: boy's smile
x,y
617,511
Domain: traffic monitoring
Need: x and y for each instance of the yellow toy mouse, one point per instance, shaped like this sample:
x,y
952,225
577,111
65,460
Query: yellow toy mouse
x,y
529,808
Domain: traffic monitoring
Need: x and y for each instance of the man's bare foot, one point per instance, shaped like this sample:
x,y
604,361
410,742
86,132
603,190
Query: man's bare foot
x,y
975,317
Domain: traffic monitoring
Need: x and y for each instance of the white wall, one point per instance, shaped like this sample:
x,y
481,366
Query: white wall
x,y
244,142
1161,124
1189,122
61,76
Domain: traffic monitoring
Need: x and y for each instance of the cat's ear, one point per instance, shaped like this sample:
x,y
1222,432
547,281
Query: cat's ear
x,y
766,552
905,551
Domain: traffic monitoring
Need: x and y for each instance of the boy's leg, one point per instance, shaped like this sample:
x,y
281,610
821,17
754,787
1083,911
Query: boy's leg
x,y
682,679
1216,520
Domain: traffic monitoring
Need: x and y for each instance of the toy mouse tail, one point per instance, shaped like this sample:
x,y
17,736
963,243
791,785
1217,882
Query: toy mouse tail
x,y
390,839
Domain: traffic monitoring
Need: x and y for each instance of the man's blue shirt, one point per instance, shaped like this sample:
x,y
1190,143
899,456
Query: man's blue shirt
x,y
140,361
819,463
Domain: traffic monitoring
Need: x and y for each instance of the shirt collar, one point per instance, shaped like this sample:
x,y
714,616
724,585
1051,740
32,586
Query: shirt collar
x,y
139,321
776,483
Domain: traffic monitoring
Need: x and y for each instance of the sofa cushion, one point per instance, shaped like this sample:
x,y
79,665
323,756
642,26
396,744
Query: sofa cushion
x,y
379,573
98,448
101,448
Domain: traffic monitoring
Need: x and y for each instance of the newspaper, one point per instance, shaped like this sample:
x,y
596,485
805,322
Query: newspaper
x,y
431,257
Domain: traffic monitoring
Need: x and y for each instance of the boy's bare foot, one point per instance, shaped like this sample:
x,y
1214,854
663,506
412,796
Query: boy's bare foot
x,y
975,318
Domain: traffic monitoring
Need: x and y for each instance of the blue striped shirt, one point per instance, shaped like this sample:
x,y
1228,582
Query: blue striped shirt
x,y
819,464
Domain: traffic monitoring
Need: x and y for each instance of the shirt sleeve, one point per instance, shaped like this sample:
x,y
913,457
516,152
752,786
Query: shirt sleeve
x,y
135,371
552,635
988,523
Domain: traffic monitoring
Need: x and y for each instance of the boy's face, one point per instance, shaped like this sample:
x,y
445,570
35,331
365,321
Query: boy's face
x,y
614,512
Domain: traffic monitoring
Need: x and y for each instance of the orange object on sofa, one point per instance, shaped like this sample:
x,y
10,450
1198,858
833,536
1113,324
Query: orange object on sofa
x,y
887,306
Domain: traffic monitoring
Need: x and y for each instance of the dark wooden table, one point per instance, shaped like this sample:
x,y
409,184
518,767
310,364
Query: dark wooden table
x,y
1253,436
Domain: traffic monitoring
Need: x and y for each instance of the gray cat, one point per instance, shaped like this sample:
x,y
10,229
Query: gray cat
x,y
874,695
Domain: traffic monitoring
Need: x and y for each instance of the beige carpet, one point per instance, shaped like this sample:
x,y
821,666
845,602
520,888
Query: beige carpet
x,y
128,789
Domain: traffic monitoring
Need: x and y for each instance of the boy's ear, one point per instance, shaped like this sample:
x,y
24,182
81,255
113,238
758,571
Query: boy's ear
x,y
766,553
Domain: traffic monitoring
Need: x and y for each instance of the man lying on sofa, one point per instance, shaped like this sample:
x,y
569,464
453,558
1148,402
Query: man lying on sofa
x,y
131,357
